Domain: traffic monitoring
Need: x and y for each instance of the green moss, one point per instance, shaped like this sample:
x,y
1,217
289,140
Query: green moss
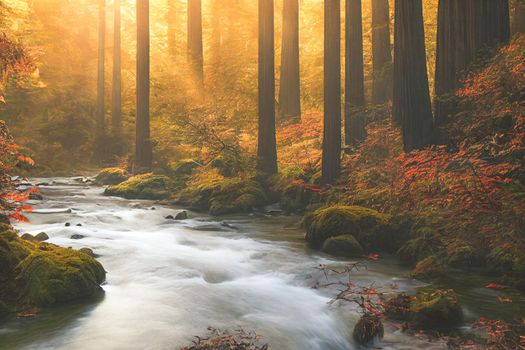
x,y
436,309
428,269
111,176
39,274
337,220
500,260
182,168
464,256
219,195
345,245
146,186
417,249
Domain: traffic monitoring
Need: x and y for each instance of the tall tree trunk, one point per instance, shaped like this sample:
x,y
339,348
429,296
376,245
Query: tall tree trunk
x,y
354,77
171,18
143,147
289,91
266,146
381,52
116,110
488,25
100,68
195,50
411,102
331,166
518,22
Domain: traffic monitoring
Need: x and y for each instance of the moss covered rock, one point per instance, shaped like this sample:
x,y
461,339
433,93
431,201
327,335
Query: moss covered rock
x,y
464,256
436,309
146,186
367,329
183,168
220,195
111,176
337,220
417,249
428,269
39,274
345,245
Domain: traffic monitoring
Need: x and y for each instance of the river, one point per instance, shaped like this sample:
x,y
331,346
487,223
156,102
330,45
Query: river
x,y
168,281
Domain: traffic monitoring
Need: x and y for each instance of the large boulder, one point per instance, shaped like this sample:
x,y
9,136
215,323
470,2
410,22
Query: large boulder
x,y
183,168
111,176
38,274
345,245
436,309
337,220
417,249
220,195
146,186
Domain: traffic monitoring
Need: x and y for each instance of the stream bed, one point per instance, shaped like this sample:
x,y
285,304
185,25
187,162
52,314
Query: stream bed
x,y
168,281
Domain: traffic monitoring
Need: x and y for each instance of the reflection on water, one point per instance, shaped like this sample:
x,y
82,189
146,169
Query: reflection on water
x,y
168,281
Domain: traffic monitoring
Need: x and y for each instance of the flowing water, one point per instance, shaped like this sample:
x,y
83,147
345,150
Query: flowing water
x,y
169,281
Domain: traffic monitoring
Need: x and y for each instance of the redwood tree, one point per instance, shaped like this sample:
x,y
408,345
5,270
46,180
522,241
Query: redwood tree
x,y
381,52
143,149
116,105
518,21
289,91
195,50
354,77
411,101
331,166
266,145
100,69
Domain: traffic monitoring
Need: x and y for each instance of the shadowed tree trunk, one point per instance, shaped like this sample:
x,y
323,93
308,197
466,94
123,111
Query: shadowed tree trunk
x,y
411,102
331,166
171,17
100,69
465,28
289,91
266,145
116,109
354,77
381,52
143,149
195,50
518,22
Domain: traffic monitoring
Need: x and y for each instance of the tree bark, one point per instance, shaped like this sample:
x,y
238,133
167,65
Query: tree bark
x,y
195,50
289,91
354,77
266,146
518,22
488,25
381,52
116,110
143,147
331,166
171,18
411,102
100,69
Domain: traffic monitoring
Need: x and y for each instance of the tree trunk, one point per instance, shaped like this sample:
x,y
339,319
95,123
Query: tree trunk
x,y
100,69
116,110
289,91
518,22
143,148
266,146
354,77
331,166
411,102
171,17
381,52
195,50
488,25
